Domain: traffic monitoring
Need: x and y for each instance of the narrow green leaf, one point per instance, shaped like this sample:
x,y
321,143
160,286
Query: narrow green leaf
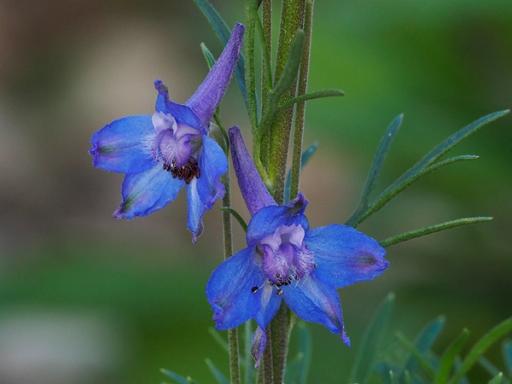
x,y
265,52
217,374
488,366
425,340
292,65
237,216
401,184
376,167
221,29
305,346
247,358
392,377
304,160
507,355
428,164
218,338
407,377
498,379
178,379
287,78
422,360
481,347
393,240
448,357
370,343
208,55
311,96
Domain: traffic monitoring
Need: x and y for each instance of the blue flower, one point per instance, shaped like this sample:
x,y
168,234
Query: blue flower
x,y
170,149
287,260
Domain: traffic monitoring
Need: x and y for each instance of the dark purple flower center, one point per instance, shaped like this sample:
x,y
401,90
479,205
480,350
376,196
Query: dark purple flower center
x,y
284,257
176,146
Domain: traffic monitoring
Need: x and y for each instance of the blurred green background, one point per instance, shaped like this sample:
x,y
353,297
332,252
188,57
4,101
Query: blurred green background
x,y
88,299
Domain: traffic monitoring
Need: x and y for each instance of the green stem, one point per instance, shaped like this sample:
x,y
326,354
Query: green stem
x,y
250,71
266,68
233,349
301,105
234,364
291,20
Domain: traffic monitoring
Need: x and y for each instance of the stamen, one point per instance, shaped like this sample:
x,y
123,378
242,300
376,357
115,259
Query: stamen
x,y
186,172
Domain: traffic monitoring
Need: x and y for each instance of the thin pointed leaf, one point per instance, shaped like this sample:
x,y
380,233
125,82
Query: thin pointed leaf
x,y
448,357
237,216
365,358
428,163
223,33
392,377
217,374
481,347
311,96
305,346
407,377
498,379
401,184
247,358
178,379
376,167
286,80
490,368
507,355
393,240
208,55
218,338
423,362
304,160
425,339
292,65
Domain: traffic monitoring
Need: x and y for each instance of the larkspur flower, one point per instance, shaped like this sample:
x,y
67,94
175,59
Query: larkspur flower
x,y
287,260
170,149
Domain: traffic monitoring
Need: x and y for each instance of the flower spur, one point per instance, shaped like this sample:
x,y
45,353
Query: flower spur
x,y
287,260
171,149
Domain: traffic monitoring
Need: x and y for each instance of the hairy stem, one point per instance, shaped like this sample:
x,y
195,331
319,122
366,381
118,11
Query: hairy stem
x,y
300,113
234,364
233,349
291,20
250,71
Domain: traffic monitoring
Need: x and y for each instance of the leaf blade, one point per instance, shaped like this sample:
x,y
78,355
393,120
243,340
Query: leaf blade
x,y
481,346
448,357
365,357
409,235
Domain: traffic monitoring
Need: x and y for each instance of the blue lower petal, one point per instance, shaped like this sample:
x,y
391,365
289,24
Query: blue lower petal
x,y
268,219
146,192
316,302
213,164
230,290
345,256
196,210
124,145
269,303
